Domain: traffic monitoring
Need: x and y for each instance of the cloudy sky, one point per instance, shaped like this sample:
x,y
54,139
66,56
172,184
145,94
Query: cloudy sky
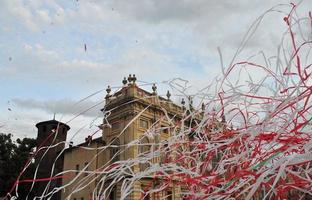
x,y
45,67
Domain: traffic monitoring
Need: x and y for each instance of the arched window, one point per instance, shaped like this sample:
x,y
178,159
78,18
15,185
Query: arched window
x,y
165,152
144,148
115,150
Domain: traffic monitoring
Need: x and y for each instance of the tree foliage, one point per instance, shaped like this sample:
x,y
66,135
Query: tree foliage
x,y
13,157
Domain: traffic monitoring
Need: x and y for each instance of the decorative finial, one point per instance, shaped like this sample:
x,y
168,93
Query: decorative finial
x,y
154,88
168,95
129,78
108,90
183,103
203,106
190,102
134,78
88,139
124,81
71,143
54,116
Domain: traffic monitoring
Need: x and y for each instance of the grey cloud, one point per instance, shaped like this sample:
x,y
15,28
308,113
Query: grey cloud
x,y
218,23
64,106
185,10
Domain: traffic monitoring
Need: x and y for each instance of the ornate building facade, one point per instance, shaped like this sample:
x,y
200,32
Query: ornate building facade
x,y
128,114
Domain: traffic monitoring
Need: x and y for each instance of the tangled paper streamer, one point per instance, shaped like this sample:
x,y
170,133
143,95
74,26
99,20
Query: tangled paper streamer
x,y
250,141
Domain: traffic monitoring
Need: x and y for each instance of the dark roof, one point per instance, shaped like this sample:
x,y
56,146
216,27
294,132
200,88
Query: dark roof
x,y
53,121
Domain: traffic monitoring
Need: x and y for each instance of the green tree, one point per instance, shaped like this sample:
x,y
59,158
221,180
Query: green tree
x,y
13,157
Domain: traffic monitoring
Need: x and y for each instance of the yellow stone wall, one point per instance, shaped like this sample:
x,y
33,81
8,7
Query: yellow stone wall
x,y
124,110
79,156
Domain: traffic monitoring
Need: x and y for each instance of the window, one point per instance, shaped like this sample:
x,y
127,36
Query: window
x,y
112,195
77,169
192,135
143,123
164,156
114,150
164,129
169,195
147,197
87,169
156,142
144,148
